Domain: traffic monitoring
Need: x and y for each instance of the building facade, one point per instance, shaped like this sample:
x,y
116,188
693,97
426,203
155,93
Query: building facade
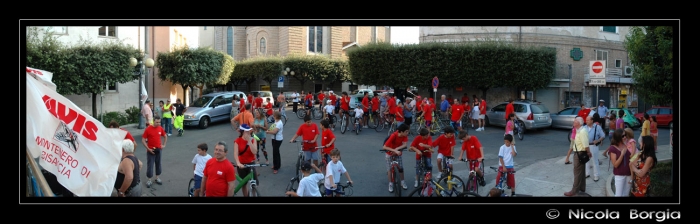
x,y
149,40
575,46
243,42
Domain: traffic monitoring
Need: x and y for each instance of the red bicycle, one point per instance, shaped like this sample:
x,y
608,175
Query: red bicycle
x,y
395,175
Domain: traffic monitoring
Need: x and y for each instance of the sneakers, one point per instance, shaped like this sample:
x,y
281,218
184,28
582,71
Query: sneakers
x,y
403,185
391,187
169,135
415,184
180,132
439,175
158,181
478,129
149,183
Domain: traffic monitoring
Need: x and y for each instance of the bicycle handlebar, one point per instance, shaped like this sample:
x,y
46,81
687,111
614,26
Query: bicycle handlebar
x,y
384,150
305,141
496,169
250,165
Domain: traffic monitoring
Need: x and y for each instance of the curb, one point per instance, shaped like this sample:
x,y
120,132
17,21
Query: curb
x,y
135,125
608,182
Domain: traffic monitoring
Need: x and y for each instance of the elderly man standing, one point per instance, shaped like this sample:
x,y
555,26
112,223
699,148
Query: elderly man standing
x,y
595,137
147,113
580,146
128,180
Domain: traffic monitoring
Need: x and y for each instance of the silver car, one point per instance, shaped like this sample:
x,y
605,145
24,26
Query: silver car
x,y
534,114
212,107
565,118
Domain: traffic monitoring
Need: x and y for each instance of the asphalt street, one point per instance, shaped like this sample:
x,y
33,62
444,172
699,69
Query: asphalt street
x,y
360,155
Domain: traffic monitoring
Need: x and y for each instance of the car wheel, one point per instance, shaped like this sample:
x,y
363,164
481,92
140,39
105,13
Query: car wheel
x,y
204,122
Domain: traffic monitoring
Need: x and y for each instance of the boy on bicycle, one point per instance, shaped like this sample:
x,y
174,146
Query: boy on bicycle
x,y
329,112
308,186
358,115
396,141
474,153
334,169
309,134
422,145
505,158
445,143
327,140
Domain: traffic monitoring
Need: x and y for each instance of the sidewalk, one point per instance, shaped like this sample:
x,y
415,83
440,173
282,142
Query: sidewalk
x,y
551,177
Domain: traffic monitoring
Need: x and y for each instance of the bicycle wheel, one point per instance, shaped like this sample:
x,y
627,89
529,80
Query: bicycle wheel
x,y
343,124
284,119
301,113
357,127
472,184
190,188
372,122
316,113
380,124
253,191
392,128
397,182
458,185
521,130
293,185
322,189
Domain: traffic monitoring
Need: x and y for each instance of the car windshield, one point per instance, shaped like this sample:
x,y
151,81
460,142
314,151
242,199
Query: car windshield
x,y
264,94
355,91
539,109
201,101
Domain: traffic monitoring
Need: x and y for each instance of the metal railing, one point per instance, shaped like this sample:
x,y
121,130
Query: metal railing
x,y
37,186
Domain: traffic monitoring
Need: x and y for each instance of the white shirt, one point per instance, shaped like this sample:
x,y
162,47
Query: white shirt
x,y
334,169
201,161
295,97
308,186
280,125
358,112
504,153
330,109
602,111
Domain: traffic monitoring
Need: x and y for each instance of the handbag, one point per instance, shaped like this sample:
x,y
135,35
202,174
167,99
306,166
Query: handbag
x,y
582,155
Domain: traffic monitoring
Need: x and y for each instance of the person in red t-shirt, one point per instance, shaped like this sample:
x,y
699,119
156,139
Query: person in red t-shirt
x,y
471,147
327,140
482,114
218,176
398,114
241,105
375,104
151,139
457,110
419,109
422,145
333,99
308,102
427,113
509,109
365,109
321,103
244,150
268,107
309,132
465,99
259,101
391,104
396,141
583,112
445,143
345,105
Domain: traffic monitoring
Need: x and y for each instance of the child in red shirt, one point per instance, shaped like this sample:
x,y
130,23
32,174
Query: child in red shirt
x,y
422,145
398,113
457,110
445,143
396,141
327,140
471,147
244,150
309,133
427,113
268,107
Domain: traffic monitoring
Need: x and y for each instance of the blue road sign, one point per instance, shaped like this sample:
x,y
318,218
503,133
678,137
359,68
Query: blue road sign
x,y
435,82
280,79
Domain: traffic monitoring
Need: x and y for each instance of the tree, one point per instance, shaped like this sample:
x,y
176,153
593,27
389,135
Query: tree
x,y
305,68
194,66
650,50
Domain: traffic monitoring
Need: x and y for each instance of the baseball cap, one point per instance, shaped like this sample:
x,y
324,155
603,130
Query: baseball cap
x,y
602,100
245,127
328,101
306,166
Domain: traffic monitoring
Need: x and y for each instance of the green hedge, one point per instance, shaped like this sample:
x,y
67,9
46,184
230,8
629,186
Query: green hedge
x,y
661,180
129,116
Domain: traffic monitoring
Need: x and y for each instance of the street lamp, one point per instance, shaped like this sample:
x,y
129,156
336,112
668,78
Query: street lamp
x,y
287,72
142,71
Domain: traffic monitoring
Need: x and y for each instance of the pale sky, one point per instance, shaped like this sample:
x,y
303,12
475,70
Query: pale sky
x,y
404,35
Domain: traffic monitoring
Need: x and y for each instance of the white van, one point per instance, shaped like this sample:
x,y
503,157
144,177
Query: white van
x,y
265,95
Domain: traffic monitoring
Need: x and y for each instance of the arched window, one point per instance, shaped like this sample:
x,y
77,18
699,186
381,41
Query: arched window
x,y
229,41
263,47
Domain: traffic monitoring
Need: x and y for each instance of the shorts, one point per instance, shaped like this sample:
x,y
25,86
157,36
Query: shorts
x,y
428,164
329,192
365,114
482,116
331,118
474,164
456,124
510,179
427,124
197,181
309,155
388,162
446,160
398,123
654,134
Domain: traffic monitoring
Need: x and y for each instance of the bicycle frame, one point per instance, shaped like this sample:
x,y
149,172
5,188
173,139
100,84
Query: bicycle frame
x,y
343,188
249,180
473,178
503,179
395,166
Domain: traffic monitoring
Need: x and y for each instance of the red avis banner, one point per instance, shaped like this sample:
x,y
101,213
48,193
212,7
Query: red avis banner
x,y
82,153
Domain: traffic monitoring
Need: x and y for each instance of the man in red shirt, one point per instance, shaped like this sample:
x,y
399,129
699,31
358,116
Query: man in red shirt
x,y
268,107
457,109
396,141
219,175
482,114
154,147
465,99
391,104
474,153
422,145
327,140
258,101
241,105
583,112
345,105
375,105
419,109
321,103
308,102
309,132
365,109
509,108
445,143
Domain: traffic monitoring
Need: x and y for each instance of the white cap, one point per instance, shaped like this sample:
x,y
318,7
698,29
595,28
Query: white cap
x,y
602,100
328,101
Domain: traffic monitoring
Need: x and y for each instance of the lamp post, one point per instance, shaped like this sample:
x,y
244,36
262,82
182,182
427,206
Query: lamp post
x,y
142,71
287,72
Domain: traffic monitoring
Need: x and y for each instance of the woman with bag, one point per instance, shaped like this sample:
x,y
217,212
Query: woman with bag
x,y
641,167
619,157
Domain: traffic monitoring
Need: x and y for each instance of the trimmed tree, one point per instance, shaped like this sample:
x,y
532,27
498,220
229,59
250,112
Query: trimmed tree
x,y
651,52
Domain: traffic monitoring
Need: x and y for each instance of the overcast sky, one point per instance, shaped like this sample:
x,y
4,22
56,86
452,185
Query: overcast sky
x,y
404,35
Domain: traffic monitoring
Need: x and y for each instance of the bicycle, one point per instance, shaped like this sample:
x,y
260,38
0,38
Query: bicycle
x,y
500,184
358,126
343,122
344,190
473,180
519,129
301,112
332,119
249,181
430,187
395,175
448,178
271,118
392,128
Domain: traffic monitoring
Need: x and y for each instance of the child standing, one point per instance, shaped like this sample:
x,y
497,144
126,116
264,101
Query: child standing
x,y
505,157
398,113
333,171
510,126
199,161
308,186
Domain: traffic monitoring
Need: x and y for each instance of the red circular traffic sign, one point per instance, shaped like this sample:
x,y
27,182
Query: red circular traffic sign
x,y
435,82
597,67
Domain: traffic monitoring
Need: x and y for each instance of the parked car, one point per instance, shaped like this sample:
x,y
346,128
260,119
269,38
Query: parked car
x,y
564,118
630,120
265,95
664,115
288,98
212,107
534,114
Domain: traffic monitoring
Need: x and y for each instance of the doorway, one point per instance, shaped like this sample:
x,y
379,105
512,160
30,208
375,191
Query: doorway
x,y
318,88
603,93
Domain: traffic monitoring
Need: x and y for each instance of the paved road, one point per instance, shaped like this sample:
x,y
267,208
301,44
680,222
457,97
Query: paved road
x,y
359,152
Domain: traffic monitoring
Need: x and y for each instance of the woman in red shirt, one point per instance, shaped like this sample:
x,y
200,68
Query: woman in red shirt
x,y
427,113
244,149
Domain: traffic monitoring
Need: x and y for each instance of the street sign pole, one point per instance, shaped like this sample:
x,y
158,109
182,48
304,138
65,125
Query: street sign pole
x,y
435,83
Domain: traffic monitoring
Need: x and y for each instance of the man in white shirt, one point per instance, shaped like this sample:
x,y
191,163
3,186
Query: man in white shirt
x,y
308,186
295,101
358,115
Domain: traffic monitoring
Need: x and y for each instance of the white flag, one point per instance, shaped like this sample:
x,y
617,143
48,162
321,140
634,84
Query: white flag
x,y
43,76
82,153
144,93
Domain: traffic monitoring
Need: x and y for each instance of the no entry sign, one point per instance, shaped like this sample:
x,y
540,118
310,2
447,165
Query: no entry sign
x,y
435,82
597,70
